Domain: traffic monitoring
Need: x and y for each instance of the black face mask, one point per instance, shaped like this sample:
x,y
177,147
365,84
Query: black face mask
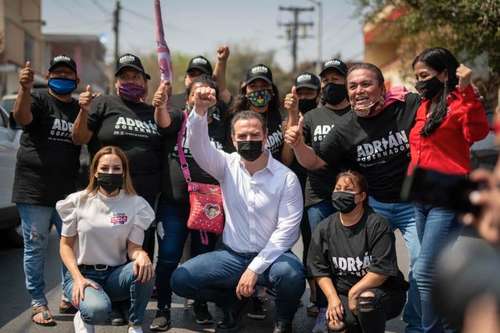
x,y
307,104
343,201
249,150
110,182
334,93
429,88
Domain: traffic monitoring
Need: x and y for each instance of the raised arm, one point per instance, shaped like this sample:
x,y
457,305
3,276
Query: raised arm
x,y
292,108
205,154
22,108
220,74
304,154
81,133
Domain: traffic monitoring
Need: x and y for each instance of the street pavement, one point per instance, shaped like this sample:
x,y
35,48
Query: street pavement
x,y
15,312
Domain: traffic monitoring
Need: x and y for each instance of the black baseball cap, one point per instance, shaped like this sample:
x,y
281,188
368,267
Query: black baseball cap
x,y
307,80
62,60
259,71
336,64
130,61
200,63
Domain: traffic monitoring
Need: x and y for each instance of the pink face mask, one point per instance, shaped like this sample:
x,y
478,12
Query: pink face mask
x,y
131,91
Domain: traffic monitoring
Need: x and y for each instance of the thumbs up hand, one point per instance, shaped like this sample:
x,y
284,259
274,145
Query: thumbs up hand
x,y
162,94
86,98
291,103
26,76
294,135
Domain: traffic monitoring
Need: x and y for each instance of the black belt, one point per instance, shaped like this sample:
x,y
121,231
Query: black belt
x,y
95,267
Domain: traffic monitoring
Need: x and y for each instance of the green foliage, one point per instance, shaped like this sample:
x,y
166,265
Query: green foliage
x,y
468,28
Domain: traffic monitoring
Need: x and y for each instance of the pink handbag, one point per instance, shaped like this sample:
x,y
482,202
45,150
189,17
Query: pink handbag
x,y
206,213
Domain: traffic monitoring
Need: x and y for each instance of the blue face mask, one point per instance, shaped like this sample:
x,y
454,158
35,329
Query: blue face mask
x,y
62,86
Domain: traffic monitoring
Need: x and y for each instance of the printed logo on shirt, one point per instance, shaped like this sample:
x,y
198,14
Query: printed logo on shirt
x,y
134,127
321,131
275,141
377,150
119,218
61,130
352,265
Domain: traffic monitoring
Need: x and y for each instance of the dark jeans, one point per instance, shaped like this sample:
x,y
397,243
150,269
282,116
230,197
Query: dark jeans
x,y
387,304
214,276
172,232
315,214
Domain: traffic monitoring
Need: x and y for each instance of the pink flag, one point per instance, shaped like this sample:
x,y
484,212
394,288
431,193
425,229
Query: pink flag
x,y
164,59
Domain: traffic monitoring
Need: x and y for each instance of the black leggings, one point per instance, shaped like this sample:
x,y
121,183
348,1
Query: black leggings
x,y
386,304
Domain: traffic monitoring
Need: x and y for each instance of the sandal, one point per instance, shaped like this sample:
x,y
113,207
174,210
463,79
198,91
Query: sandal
x,y
44,310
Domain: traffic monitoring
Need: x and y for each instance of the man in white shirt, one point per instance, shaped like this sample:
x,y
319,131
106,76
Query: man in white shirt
x,y
263,208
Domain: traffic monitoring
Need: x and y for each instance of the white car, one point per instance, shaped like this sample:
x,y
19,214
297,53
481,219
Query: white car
x,y
9,144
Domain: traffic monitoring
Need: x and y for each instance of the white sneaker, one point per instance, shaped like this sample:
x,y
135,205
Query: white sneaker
x,y
135,329
81,326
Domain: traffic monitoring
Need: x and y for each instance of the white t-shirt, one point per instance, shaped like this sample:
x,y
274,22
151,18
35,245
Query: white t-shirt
x,y
103,225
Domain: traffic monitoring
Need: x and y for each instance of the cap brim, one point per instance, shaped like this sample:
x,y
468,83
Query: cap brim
x,y
200,68
337,69
262,77
58,64
307,85
137,68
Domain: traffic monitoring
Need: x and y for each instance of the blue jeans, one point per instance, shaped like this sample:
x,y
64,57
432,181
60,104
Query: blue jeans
x,y
401,215
436,227
172,232
214,276
36,222
116,284
317,213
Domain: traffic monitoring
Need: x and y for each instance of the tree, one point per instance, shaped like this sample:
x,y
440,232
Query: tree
x,y
469,28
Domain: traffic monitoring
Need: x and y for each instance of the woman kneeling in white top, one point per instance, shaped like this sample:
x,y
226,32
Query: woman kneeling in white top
x,y
102,225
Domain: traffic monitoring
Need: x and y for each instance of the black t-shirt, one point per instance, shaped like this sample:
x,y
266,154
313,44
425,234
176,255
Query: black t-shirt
x,y
47,160
346,254
174,185
177,101
378,147
317,124
130,126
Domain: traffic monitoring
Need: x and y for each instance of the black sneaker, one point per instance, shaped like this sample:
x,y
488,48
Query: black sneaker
x,y
257,310
282,327
162,321
232,318
201,314
117,317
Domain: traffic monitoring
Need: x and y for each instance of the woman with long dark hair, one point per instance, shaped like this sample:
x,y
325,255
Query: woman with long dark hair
x,y
449,120
258,93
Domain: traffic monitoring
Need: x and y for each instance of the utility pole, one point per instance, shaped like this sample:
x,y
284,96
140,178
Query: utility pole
x,y
116,29
320,34
292,29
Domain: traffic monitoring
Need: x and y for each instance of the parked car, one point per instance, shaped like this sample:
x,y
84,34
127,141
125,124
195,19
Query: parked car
x,y
9,144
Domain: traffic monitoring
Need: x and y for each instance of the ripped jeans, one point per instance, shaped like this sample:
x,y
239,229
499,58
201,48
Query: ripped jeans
x,y
36,222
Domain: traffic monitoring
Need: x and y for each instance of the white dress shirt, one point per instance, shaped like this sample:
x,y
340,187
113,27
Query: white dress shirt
x,y
262,211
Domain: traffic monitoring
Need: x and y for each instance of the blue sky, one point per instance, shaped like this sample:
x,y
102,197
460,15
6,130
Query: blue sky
x,y
198,27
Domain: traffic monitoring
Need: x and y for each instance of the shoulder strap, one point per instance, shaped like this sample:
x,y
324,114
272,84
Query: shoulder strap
x,y
180,148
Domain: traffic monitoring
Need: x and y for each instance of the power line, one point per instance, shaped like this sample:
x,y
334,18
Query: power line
x,y
292,29
101,7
